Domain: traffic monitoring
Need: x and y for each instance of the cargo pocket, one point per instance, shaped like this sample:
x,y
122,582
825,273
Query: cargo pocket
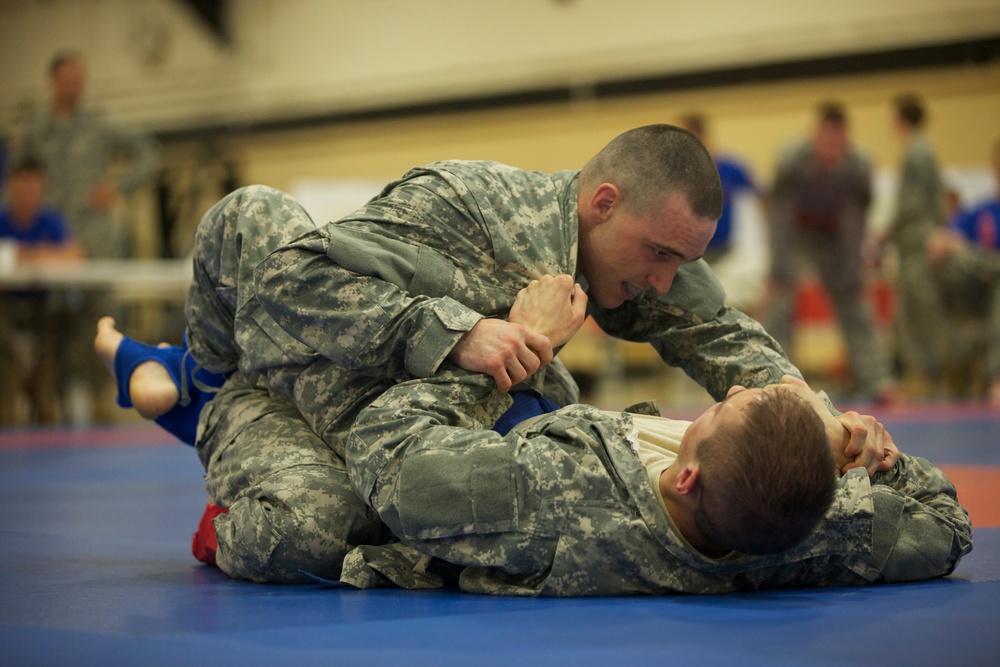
x,y
445,494
247,542
433,275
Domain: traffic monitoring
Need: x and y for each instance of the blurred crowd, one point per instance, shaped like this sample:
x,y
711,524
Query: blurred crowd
x,y
939,257
68,167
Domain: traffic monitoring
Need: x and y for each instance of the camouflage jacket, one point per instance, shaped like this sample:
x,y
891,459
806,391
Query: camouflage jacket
x,y
78,152
564,507
919,197
383,295
827,206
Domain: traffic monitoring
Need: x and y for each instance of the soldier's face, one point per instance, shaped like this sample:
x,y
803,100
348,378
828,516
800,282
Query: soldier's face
x,y
68,81
26,190
830,143
625,253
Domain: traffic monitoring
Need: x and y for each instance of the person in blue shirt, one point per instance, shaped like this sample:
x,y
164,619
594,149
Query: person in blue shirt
x,y
41,232
738,252
28,349
966,260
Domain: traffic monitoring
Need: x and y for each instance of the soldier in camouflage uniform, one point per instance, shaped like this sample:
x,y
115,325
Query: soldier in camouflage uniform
x,y
920,321
564,506
819,202
81,149
263,462
586,502
331,320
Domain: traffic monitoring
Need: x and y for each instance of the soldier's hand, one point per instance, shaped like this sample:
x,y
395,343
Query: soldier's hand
x,y
856,441
941,244
554,306
507,351
870,447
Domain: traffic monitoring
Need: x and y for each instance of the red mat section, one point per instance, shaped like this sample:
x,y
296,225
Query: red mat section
x,y
978,491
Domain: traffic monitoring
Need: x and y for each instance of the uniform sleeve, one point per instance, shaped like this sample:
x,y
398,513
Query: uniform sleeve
x,y
363,301
902,525
691,328
978,259
919,524
979,262
142,154
781,212
912,181
451,412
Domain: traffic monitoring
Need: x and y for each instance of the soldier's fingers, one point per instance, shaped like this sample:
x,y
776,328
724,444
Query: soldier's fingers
x,y
539,347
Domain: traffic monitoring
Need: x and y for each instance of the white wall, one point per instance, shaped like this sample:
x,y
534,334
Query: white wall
x,y
152,62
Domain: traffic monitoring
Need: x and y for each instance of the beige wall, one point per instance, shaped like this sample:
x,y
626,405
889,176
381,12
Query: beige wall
x,y
753,121
152,62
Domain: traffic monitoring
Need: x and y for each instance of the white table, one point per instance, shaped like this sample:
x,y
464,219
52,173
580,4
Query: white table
x,y
127,279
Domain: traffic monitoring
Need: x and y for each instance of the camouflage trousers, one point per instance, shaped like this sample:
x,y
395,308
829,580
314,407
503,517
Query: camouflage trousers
x,y
971,285
291,506
836,261
921,325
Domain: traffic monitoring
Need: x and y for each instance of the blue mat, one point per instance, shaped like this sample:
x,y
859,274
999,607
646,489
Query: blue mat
x,y
95,570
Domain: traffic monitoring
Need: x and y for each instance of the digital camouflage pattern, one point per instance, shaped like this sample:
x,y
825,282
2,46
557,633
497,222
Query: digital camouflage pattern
x,y
326,320
78,152
922,327
803,191
291,506
564,507
384,294
970,279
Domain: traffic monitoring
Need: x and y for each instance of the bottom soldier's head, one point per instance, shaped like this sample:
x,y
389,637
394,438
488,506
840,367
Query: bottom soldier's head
x,y
757,469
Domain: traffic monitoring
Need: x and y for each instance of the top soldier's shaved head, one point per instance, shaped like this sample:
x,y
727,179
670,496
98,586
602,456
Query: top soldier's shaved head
x,y
650,163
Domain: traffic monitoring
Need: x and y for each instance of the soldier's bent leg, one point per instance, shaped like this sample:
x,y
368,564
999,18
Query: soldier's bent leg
x,y
291,506
232,238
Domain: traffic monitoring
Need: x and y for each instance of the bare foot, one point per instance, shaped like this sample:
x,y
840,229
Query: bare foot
x,y
151,388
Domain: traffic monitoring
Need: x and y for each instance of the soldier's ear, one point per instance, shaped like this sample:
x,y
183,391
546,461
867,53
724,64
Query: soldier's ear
x,y
689,480
602,202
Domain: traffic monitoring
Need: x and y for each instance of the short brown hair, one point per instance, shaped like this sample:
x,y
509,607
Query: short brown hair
x,y
832,112
911,110
650,163
27,165
768,481
61,58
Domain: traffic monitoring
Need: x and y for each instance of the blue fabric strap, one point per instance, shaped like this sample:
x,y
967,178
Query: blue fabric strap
x,y
194,384
528,403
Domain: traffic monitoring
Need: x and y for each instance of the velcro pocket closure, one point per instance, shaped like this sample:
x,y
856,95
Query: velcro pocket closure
x,y
449,493
433,275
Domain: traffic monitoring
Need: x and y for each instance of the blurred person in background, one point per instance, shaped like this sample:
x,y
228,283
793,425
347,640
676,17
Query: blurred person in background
x,y
91,163
919,326
738,253
28,319
966,261
820,199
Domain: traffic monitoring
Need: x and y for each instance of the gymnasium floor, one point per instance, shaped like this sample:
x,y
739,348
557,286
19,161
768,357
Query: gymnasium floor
x,y
95,570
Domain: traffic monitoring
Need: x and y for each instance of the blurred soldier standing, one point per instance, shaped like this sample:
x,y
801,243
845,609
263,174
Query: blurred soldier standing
x,y
78,148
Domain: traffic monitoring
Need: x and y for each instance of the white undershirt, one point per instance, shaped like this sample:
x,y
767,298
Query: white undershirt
x,y
657,440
